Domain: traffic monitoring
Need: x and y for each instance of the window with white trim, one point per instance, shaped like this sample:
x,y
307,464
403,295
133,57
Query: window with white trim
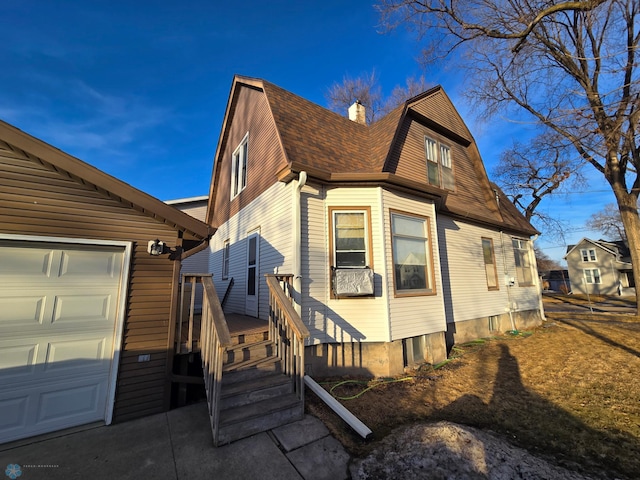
x,y
350,237
411,254
592,275
588,255
439,165
239,167
225,260
523,265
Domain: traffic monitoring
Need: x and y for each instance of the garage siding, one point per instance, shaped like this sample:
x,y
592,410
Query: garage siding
x,y
35,199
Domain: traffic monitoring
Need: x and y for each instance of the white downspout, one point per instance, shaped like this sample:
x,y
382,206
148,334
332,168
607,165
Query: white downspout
x,y
507,282
297,244
540,304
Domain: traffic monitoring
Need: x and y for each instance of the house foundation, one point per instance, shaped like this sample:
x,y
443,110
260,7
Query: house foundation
x,y
374,359
468,330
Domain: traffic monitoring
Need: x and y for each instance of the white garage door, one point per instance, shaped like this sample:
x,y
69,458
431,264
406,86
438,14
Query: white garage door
x,y
58,309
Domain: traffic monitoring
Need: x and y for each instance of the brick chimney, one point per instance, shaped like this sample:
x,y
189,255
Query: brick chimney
x,y
357,113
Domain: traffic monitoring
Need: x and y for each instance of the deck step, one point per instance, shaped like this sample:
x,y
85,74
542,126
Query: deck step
x,y
248,351
250,369
243,421
249,337
269,385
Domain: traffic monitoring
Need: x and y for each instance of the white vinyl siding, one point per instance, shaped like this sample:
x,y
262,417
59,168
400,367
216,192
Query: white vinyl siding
x,y
413,315
464,274
342,319
271,213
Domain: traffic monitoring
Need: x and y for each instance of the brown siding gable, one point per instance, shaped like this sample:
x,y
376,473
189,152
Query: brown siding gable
x,y
115,188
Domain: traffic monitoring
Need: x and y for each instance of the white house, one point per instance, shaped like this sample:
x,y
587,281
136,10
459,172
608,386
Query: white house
x,y
398,243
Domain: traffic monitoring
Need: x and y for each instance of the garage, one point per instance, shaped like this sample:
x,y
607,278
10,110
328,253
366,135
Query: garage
x,y
61,315
87,314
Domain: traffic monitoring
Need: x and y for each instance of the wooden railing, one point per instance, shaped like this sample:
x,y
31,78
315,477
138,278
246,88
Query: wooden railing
x,y
287,331
214,338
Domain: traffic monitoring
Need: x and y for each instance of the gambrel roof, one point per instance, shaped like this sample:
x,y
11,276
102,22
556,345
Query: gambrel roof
x,y
390,152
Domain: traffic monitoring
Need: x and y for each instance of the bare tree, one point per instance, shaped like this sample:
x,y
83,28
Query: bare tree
x,y
571,66
367,90
529,172
364,89
544,261
608,222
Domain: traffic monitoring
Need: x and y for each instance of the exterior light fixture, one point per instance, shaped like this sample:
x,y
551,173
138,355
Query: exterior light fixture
x,y
155,247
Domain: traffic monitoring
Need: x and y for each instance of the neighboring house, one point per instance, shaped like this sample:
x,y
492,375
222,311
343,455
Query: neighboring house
x,y
556,281
87,315
398,243
197,208
198,263
600,267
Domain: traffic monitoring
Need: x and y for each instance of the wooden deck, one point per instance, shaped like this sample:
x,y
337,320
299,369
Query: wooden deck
x,y
238,325
243,324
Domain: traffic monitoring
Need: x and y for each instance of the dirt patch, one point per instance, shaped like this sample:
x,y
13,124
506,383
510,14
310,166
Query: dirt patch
x,y
566,392
453,452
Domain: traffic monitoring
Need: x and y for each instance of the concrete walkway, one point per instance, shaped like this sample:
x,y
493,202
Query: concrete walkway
x,y
178,445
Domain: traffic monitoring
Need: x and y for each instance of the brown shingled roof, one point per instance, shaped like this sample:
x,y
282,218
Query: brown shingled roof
x,y
332,148
316,137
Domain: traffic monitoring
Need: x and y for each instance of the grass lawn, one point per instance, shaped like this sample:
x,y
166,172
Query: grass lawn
x,y
568,391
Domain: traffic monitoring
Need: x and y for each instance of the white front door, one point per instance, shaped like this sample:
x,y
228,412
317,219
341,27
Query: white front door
x,y
58,312
253,274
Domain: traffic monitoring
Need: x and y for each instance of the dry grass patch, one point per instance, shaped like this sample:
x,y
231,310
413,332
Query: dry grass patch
x,y
568,391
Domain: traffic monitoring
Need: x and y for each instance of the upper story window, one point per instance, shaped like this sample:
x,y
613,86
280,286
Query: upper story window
x,y
239,167
411,252
489,257
439,165
523,265
588,255
350,237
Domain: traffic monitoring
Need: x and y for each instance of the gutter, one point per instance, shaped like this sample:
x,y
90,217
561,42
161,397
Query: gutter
x,y
297,243
192,251
353,421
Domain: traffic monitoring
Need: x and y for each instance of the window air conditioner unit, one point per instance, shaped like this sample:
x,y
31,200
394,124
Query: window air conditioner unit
x,y
352,282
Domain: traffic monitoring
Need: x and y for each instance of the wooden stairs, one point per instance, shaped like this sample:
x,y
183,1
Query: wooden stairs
x,y
255,395
252,369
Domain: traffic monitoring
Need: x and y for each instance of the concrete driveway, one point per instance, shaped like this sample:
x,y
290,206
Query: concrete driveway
x,y
177,445
577,305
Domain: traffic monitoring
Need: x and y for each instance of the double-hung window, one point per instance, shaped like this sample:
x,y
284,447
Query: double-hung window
x,y
489,257
588,255
350,237
225,260
439,167
239,167
411,251
523,265
592,275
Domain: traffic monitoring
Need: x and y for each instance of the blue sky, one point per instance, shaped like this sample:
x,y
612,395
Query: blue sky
x,y
139,88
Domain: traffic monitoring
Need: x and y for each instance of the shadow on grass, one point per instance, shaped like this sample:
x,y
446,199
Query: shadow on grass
x,y
583,326
534,423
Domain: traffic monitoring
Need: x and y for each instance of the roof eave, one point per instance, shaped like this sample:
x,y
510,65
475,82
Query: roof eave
x,y
118,189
